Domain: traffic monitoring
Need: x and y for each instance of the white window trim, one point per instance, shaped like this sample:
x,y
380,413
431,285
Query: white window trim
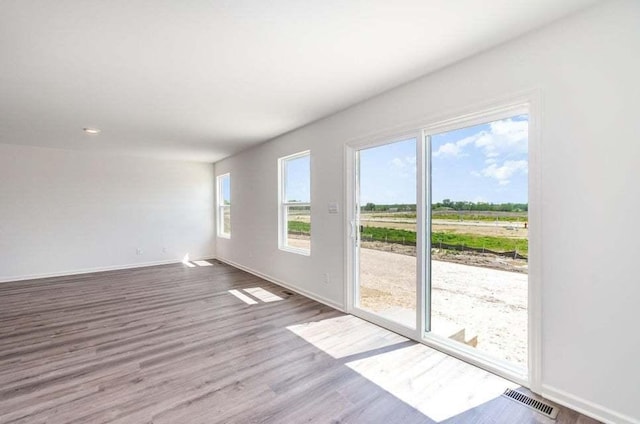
x,y
221,206
283,205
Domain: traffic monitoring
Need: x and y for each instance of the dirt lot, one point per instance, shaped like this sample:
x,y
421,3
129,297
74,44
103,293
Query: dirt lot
x,y
514,230
487,303
466,258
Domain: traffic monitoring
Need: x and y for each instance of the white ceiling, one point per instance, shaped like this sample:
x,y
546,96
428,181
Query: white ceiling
x,y
203,79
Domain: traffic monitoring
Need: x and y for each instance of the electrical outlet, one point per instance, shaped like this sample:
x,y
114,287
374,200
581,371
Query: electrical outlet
x,y
139,251
327,279
164,250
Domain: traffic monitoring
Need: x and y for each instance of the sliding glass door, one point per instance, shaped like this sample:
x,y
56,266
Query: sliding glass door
x,y
439,237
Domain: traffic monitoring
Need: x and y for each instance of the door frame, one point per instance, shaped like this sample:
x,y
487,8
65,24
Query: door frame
x,y
475,114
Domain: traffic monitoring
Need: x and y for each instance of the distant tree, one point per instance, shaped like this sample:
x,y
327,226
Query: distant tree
x,y
369,207
465,205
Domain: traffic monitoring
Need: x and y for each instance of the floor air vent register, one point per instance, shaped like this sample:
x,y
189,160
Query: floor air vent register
x,y
536,405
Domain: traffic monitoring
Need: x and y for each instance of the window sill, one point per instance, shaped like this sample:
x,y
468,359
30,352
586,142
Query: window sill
x,y
302,252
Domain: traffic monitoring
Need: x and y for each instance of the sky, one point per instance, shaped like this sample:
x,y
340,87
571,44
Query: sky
x,y
226,189
388,173
298,180
483,163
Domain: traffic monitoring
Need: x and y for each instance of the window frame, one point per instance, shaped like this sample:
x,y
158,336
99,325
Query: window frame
x,y
283,205
222,207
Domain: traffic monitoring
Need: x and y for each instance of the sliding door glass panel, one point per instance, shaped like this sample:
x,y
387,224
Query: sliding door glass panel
x,y
386,242
479,237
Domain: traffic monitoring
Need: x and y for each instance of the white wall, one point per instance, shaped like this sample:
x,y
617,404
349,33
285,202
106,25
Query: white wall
x,y
587,68
64,211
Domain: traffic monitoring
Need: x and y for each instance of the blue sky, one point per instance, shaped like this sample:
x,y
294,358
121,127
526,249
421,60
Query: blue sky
x,y
298,181
388,173
483,163
226,189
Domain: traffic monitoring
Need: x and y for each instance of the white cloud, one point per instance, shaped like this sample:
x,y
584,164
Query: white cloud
x,y
514,131
454,149
406,162
448,149
504,173
504,136
397,162
405,167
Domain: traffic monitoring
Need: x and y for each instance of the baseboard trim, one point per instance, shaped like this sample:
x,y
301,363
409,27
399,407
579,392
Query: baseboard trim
x,y
96,269
286,285
585,407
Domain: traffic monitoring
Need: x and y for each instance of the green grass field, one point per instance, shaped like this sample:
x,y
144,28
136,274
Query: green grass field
x,y
497,244
389,235
299,227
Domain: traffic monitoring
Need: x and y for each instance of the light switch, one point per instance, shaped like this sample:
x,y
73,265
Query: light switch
x,y
333,207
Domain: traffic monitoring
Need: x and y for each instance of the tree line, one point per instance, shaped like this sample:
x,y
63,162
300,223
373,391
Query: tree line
x,y
448,204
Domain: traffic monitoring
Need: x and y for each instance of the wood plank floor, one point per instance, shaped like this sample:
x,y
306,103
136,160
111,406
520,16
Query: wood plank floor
x,y
212,344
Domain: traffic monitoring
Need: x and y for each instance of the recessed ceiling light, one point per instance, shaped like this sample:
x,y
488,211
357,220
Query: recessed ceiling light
x,y
91,130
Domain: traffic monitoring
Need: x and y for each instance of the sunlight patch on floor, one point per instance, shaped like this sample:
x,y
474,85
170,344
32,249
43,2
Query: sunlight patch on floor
x,y
262,294
246,299
329,336
436,384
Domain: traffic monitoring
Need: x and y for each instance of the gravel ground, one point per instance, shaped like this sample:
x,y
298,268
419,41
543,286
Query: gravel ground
x,y
488,300
488,303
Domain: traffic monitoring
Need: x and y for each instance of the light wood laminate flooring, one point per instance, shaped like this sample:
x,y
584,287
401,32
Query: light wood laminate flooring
x,y
213,344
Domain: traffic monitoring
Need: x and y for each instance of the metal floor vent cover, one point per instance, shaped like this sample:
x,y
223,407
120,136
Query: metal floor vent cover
x,y
536,405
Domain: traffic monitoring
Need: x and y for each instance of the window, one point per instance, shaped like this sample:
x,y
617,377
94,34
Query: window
x,y
294,230
224,205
